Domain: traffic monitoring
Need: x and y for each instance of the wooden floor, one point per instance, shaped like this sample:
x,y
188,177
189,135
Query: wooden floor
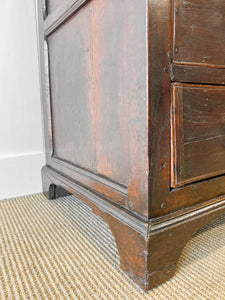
x,y
60,250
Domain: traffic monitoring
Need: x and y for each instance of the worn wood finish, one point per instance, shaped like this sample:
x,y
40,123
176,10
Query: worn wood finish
x,y
109,189
159,97
133,106
91,92
198,133
197,193
197,74
149,251
171,237
199,35
130,234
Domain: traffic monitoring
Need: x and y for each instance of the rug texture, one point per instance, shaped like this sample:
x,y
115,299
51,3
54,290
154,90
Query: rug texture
x,y
60,250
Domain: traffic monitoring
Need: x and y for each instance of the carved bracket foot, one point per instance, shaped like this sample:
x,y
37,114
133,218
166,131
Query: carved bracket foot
x,y
149,250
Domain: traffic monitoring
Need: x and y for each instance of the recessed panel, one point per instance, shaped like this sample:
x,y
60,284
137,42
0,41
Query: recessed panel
x,y
95,80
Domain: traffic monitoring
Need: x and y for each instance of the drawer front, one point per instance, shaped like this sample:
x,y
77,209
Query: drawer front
x,y
199,35
198,133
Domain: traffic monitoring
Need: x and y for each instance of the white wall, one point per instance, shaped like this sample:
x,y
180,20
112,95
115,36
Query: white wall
x,y
21,139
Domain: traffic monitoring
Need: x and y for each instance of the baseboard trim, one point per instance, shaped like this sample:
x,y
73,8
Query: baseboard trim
x,y
21,174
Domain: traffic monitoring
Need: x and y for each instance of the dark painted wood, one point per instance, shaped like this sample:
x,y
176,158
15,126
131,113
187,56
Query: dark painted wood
x,y
199,35
160,43
203,112
56,191
199,133
109,189
177,135
149,251
129,128
197,193
98,100
171,238
197,74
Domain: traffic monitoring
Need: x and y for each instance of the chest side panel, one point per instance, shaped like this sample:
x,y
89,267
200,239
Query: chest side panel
x,y
98,57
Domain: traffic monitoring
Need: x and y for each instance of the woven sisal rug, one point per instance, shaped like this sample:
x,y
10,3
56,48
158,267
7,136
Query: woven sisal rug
x,y
60,250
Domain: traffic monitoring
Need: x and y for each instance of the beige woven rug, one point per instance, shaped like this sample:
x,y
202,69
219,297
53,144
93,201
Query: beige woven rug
x,y
60,250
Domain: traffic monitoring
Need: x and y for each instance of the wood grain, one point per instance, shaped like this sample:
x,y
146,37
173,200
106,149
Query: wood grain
x,y
199,35
149,252
99,101
133,99
160,40
197,74
199,133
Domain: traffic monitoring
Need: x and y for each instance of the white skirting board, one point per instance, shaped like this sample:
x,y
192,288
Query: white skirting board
x,y
21,175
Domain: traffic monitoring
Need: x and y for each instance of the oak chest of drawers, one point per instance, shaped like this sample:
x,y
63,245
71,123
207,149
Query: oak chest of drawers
x,y
134,112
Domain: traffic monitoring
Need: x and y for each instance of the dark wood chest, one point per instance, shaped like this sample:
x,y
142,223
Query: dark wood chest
x,y
134,113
